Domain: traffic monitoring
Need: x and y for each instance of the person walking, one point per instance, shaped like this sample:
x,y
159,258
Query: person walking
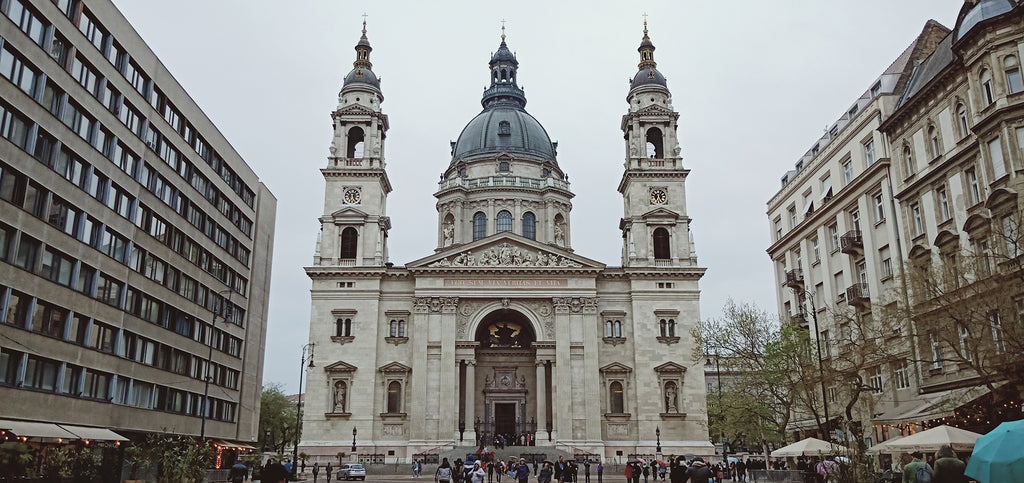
x,y
629,472
600,472
476,475
490,472
646,471
948,468
329,470
316,471
586,470
545,473
523,471
916,467
741,471
274,472
443,474
699,471
677,471
239,472
560,469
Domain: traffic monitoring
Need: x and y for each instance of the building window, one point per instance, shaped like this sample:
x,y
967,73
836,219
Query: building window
x,y
986,87
815,250
355,143
613,328
996,326
504,128
879,207
915,213
869,152
833,233
1011,236
668,327
965,342
826,343
900,377
995,153
933,140
936,353
886,258
943,203
504,167
875,379
655,147
343,327
908,161
973,189
778,229
529,225
961,115
848,171
394,397
504,219
1013,79
826,189
808,203
97,385
479,225
41,373
792,217
398,328
615,404
661,244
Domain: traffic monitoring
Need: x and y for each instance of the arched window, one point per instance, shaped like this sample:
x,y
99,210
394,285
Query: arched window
x,y
504,167
504,128
1014,82
394,397
986,87
615,405
671,327
529,225
933,140
401,328
504,221
664,328
479,225
397,328
343,327
394,328
655,147
908,161
661,247
355,142
617,329
349,241
961,114
608,328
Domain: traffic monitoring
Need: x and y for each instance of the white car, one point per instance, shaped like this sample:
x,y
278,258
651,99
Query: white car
x,y
352,472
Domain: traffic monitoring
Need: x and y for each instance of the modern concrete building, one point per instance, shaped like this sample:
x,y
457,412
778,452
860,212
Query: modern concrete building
x,y
504,329
904,217
135,242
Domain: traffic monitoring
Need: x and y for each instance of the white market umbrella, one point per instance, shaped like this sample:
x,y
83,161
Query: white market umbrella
x,y
929,440
809,447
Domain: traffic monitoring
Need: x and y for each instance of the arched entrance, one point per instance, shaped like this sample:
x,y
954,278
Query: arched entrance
x,y
506,361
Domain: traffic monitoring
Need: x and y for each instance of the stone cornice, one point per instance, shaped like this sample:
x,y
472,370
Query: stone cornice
x,y
336,271
693,273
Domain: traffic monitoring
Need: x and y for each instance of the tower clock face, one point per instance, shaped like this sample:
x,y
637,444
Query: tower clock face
x,y
658,196
351,196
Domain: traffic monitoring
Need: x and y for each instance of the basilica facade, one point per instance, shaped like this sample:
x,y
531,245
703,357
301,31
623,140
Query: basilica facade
x,y
504,330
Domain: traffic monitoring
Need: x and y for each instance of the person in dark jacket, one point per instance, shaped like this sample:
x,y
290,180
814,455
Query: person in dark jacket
x,y
523,471
545,473
699,471
948,468
677,471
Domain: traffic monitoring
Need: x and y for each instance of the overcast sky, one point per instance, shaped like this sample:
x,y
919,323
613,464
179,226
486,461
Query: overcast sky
x,y
755,84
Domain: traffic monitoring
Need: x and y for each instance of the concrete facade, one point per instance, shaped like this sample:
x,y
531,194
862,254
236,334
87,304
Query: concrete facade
x,y
504,328
129,226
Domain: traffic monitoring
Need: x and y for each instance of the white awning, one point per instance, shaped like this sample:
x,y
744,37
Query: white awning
x,y
95,434
32,429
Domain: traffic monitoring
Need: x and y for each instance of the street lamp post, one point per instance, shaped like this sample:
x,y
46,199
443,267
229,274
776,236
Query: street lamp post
x,y
353,441
721,410
298,405
657,433
209,360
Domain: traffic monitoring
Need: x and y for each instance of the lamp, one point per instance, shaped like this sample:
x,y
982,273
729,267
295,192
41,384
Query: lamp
x,y
353,440
657,433
298,403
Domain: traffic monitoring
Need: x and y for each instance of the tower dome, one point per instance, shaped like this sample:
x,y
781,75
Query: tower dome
x,y
648,69
503,125
361,73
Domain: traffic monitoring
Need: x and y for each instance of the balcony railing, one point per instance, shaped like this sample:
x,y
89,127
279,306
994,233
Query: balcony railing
x,y
858,294
852,243
503,181
799,320
794,278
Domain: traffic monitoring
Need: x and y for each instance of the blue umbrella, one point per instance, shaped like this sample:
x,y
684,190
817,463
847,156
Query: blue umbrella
x,y
997,456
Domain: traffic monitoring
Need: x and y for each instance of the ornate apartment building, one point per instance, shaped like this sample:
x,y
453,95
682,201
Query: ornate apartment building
x,y
135,243
903,177
504,329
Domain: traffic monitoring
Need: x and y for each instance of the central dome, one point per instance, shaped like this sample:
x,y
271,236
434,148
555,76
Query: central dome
x,y
504,125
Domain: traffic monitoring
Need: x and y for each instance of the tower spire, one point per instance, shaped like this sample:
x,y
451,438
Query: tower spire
x,y
646,50
363,50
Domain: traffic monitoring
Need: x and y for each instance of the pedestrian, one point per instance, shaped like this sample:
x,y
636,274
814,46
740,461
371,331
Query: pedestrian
x,y
677,471
316,471
239,472
948,468
534,466
662,471
458,470
274,472
647,472
586,470
629,472
523,471
916,467
637,472
443,474
699,471
415,468
499,470
476,475
490,472
288,466
560,469
329,469
600,472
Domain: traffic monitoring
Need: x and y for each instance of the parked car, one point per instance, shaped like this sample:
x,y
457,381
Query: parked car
x,y
352,472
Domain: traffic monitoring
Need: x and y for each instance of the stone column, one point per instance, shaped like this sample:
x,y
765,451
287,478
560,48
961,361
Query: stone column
x,y
470,433
542,402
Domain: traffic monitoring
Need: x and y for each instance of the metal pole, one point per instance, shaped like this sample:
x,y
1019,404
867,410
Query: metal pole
x,y
721,410
298,409
821,368
209,364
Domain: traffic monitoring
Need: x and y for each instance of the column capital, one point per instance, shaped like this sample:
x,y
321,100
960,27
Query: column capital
x,y
541,363
469,363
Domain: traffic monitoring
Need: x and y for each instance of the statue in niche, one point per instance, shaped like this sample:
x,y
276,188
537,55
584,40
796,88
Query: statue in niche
x,y
448,233
559,234
339,397
670,399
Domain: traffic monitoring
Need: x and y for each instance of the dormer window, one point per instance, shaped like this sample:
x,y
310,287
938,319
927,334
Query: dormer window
x,y
504,128
544,173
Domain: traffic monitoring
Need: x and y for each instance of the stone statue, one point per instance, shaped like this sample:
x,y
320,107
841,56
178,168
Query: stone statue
x,y
448,233
559,234
670,399
339,397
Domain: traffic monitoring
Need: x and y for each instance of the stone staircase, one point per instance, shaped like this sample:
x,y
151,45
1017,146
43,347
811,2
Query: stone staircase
x,y
543,452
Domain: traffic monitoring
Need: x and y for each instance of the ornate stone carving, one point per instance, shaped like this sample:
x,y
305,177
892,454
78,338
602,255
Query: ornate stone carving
x,y
435,304
506,255
448,234
589,305
420,304
505,302
394,429
561,304
449,304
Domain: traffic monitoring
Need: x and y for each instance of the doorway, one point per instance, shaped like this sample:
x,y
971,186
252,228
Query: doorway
x,y
505,418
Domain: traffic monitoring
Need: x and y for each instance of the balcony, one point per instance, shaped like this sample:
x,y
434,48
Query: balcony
x,y
503,181
794,279
852,243
858,294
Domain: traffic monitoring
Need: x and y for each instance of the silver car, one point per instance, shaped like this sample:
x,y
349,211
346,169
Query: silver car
x,y
352,472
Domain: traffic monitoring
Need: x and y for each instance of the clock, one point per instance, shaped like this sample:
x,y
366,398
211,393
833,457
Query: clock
x,y
351,196
658,196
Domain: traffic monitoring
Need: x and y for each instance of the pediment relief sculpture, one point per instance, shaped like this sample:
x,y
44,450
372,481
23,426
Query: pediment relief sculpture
x,y
506,255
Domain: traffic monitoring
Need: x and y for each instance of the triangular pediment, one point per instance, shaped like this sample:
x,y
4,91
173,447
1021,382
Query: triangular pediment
x,y
347,214
661,213
395,368
505,250
340,366
615,367
654,109
355,109
670,367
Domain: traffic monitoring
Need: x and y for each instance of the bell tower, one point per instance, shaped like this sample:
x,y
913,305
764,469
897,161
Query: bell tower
x,y
354,226
655,227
